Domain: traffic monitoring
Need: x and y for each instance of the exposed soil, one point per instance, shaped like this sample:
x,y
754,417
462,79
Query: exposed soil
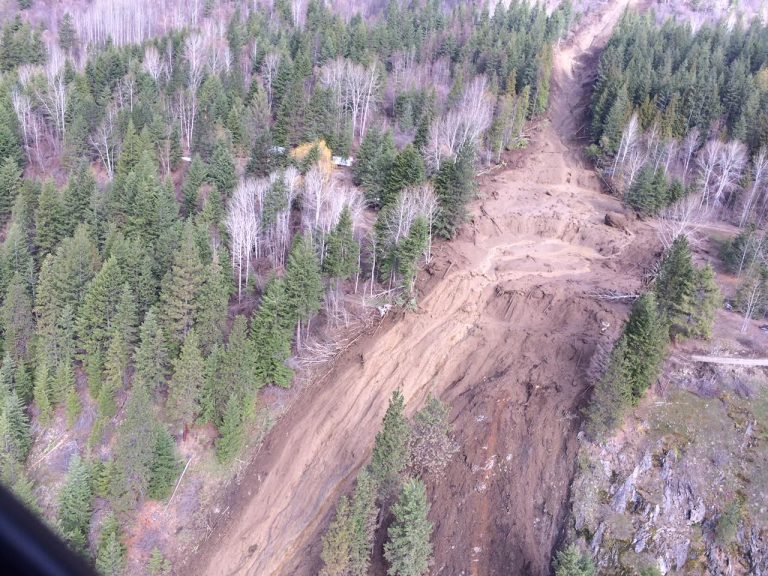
x,y
504,334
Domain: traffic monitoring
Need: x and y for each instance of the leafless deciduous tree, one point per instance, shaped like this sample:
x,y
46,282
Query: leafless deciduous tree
x,y
754,295
684,218
707,161
463,124
186,98
269,73
133,21
395,222
152,64
733,159
29,124
355,88
243,221
755,192
103,141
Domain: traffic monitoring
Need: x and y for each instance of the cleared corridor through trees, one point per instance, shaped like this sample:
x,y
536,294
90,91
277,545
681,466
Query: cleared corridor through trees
x,y
504,333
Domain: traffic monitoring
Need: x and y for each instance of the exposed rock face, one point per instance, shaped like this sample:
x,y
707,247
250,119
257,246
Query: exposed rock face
x,y
683,487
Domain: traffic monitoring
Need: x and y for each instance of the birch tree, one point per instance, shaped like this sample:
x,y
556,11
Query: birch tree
x,y
756,190
103,141
243,224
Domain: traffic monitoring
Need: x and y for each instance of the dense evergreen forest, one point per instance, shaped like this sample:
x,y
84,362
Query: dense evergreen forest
x,y
680,130
174,220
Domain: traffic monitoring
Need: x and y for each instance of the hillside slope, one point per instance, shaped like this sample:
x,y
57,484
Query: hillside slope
x,y
506,327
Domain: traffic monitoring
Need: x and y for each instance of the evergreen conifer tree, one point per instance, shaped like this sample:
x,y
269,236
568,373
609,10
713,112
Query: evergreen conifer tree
x,y
164,466
10,185
43,393
362,518
612,394
67,33
213,302
221,171
454,187
95,318
15,432
271,333
77,197
407,170
373,164
232,430
151,357
409,550
133,450
159,565
570,562
185,388
675,286
110,557
181,291
615,121
337,543
196,177
708,300
303,283
647,338
76,505
391,450
24,383
342,250
16,320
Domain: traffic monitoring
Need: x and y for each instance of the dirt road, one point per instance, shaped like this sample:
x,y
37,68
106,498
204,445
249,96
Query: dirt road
x,y
504,337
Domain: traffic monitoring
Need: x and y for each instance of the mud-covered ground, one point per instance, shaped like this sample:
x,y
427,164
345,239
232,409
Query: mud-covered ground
x,y
507,324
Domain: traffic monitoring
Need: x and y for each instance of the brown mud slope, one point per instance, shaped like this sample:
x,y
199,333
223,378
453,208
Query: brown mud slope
x,y
504,334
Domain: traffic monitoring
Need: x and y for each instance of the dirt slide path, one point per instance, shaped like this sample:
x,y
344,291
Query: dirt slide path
x,y
503,333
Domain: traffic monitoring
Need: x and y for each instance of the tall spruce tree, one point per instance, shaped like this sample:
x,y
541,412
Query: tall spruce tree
x,y
185,388
133,450
196,177
647,338
409,550
15,431
43,393
675,286
221,170
341,250
10,185
303,283
151,358
362,517
76,505
391,451
570,562
110,557
337,543
213,302
77,197
164,465
407,170
95,319
454,188
271,333
612,394
373,164
181,291
232,430
16,320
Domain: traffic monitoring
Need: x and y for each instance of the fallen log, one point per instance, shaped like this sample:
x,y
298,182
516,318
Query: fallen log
x,y
730,361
